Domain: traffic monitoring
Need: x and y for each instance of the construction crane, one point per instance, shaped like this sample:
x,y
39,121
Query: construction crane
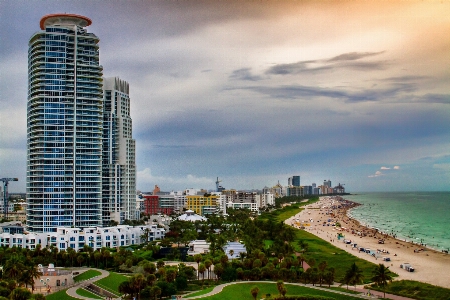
x,y
5,194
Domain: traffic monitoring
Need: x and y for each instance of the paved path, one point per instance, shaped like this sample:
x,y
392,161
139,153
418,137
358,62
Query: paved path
x,y
72,292
375,294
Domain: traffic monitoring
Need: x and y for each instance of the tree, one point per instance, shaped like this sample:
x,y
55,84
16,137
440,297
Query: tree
x,y
208,264
322,266
382,276
72,253
32,272
280,285
20,294
198,258
13,268
201,270
155,291
254,291
137,282
353,276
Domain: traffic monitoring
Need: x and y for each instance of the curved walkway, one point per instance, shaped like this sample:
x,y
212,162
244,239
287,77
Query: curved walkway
x,y
217,289
72,292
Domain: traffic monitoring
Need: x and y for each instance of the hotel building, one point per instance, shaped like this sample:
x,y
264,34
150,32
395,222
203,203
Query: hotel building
x,y
80,153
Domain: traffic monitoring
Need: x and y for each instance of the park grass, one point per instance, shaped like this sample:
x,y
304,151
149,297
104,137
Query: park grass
x,y
111,283
86,293
416,290
60,295
241,291
86,275
202,292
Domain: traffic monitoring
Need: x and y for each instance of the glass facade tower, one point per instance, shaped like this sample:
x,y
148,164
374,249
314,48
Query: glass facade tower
x,y
64,125
119,169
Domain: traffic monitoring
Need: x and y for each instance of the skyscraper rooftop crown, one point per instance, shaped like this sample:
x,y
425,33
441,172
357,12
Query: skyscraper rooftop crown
x,y
64,20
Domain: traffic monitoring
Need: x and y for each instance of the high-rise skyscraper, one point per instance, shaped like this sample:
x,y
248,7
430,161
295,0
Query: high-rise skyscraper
x,y
294,180
119,169
64,125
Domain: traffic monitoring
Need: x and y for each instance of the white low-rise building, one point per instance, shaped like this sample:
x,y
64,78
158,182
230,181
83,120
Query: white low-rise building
x,y
76,238
198,247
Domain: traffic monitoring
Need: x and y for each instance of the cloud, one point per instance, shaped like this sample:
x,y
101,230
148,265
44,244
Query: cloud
x,y
311,92
354,56
244,74
377,173
346,60
147,179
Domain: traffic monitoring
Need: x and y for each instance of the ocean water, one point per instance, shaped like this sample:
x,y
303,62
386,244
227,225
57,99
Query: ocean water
x,y
422,217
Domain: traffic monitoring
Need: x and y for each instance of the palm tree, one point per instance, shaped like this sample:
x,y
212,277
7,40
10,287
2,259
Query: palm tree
x,y
32,272
254,291
198,258
72,253
353,275
137,282
201,270
208,264
382,276
322,266
13,268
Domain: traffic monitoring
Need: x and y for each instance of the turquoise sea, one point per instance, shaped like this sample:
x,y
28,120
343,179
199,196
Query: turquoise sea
x,y
423,217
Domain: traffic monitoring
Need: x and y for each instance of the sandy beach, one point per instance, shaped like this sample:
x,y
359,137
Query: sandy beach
x,y
429,265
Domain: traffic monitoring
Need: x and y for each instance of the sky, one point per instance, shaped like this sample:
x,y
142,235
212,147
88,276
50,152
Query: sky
x,y
254,92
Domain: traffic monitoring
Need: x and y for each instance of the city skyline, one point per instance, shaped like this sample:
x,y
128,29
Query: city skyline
x,y
255,92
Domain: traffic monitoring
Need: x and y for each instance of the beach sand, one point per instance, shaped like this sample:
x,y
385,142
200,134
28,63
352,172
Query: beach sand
x,y
430,266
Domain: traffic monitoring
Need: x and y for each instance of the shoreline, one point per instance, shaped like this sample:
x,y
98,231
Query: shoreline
x,y
318,219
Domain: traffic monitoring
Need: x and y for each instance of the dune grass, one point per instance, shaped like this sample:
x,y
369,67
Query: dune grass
x,y
241,291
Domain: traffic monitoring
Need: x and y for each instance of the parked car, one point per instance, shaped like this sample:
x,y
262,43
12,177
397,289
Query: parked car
x,y
386,258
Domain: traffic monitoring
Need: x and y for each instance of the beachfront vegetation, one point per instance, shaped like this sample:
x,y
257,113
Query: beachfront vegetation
x,y
382,277
415,290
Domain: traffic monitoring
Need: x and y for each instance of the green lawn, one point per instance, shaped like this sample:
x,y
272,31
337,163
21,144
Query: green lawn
x,y
337,258
60,295
86,293
202,292
86,275
241,291
112,282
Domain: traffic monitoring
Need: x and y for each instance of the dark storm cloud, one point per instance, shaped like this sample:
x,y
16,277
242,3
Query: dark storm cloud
x,y
346,60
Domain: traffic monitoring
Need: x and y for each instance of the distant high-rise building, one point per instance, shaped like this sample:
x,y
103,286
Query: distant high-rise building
x,y
327,183
64,125
119,167
294,181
